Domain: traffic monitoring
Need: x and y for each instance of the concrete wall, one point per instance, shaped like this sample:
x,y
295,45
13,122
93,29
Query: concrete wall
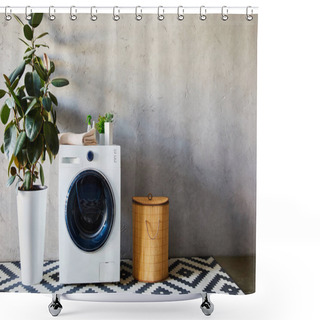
x,y
184,98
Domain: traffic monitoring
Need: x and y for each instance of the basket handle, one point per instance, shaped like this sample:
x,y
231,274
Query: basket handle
x,y
152,238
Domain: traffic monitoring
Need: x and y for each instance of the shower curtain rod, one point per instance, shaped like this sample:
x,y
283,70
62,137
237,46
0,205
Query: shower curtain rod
x,y
130,10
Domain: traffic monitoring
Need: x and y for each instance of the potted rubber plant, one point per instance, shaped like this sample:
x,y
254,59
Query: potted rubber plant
x,y
105,128
30,137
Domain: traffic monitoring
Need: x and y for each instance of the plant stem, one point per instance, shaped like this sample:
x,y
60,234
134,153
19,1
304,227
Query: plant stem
x,y
33,55
32,169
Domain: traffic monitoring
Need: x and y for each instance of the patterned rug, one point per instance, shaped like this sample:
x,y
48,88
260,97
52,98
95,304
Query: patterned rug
x,y
186,275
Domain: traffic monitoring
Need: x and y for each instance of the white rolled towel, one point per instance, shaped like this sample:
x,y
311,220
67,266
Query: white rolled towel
x,y
86,139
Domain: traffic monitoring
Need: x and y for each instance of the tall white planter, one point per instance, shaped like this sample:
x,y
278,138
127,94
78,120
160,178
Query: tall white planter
x,y
108,133
31,207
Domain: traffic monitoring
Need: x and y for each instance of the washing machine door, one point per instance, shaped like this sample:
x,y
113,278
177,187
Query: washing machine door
x,y
89,210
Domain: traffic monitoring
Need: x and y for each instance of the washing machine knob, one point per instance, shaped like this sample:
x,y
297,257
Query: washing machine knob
x,y
90,156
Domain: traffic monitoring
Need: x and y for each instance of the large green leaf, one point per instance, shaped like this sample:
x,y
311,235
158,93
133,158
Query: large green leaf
x,y
51,137
28,33
35,149
59,82
2,93
43,156
41,72
20,143
41,174
31,105
36,84
40,62
4,113
28,82
10,103
50,155
23,102
33,124
36,19
14,96
46,101
22,157
17,72
32,82
11,180
54,117
27,180
52,68
53,98
10,163
9,86
35,176
16,162
46,115
10,139
15,83
7,80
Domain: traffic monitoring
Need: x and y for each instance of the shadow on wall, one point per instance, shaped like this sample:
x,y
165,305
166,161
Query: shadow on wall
x,y
92,86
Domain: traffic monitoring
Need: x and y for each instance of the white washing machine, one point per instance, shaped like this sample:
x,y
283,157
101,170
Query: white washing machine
x,y
89,214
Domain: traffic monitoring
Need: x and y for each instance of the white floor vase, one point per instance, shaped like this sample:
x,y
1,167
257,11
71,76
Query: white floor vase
x,y
31,207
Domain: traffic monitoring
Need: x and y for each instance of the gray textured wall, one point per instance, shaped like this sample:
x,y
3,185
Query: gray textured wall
x,y
184,98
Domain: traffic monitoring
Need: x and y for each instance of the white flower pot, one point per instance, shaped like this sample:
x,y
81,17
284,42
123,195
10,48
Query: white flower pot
x,y
31,207
101,138
108,133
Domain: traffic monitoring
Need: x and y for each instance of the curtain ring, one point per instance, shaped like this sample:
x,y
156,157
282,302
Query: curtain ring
x,y
52,16
138,16
94,17
203,13
249,17
160,16
180,14
73,16
224,13
28,16
116,17
8,16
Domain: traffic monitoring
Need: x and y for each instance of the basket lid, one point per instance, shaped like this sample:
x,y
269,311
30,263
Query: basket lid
x,y
149,200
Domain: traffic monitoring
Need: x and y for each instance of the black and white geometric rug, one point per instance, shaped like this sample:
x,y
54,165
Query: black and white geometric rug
x,y
186,275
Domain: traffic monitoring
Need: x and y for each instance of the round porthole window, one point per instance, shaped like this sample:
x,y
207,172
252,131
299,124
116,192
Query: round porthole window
x,y
89,211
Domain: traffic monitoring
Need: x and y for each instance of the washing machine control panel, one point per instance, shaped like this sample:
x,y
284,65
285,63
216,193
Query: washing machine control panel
x,y
90,156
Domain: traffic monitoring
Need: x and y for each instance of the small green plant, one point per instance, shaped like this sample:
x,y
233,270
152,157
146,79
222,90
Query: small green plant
x,y
31,132
108,117
100,124
89,118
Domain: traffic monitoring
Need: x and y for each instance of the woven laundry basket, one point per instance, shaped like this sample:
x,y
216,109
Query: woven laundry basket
x,y
150,238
